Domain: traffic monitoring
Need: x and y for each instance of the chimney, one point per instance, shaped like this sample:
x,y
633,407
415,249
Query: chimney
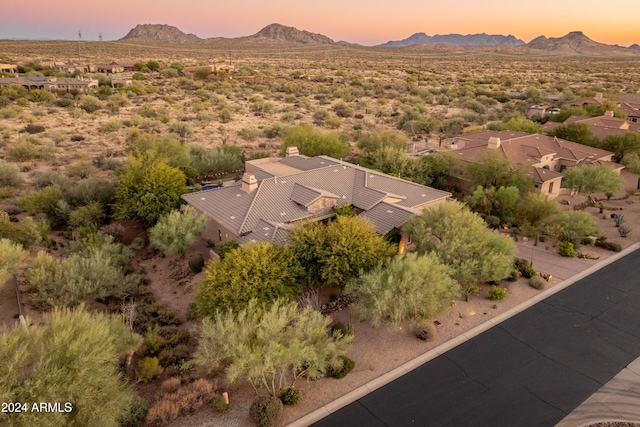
x,y
599,95
249,182
494,142
608,114
292,151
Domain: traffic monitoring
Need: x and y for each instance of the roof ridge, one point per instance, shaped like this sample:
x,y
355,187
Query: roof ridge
x,y
246,216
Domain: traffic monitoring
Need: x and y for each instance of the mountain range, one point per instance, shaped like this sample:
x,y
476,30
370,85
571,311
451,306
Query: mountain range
x,y
574,43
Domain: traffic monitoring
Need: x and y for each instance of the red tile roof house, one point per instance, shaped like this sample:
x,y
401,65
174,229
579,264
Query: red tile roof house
x,y
276,194
601,126
546,156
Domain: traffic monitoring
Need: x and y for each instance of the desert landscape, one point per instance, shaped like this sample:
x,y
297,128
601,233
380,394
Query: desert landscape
x,y
206,106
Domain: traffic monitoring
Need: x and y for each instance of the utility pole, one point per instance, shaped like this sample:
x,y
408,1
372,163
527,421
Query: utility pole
x,y
79,42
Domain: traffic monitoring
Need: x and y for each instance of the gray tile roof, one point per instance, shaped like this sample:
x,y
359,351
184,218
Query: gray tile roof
x,y
282,199
305,163
386,216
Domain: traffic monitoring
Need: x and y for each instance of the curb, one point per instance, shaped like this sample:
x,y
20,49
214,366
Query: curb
x,y
407,367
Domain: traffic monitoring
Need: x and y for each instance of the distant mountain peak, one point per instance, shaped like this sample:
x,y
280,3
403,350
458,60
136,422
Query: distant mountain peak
x,y
159,32
634,46
284,33
576,43
482,39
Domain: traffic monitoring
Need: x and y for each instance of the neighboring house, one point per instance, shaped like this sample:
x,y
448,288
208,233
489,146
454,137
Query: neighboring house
x,y
118,83
126,66
275,194
8,68
112,68
601,126
52,84
630,105
537,110
546,156
71,67
228,69
595,100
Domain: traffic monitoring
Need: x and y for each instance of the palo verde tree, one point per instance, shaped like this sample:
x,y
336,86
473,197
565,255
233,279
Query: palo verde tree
x,y
71,357
409,288
261,271
11,255
501,202
576,132
588,179
494,170
461,240
628,142
271,346
338,252
177,231
312,142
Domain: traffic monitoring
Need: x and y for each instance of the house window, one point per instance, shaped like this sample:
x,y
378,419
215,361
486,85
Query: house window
x,y
220,235
550,187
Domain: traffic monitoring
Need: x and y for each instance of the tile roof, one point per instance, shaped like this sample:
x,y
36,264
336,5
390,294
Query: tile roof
x,y
283,199
386,216
543,175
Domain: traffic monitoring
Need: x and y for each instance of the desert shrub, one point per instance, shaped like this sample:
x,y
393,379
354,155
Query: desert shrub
x,y
152,342
43,201
24,232
177,231
265,411
108,163
91,215
171,385
492,221
289,396
342,371
186,399
620,219
50,177
341,328
225,248
513,276
250,134
63,102
527,271
537,282
570,236
148,369
23,151
624,231
566,249
577,222
9,175
426,331
196,263
343,110
136,415
7,192
586,241
173,356
148,315
163,412
218,404
110,126
77,138
90,103
33,128
496,293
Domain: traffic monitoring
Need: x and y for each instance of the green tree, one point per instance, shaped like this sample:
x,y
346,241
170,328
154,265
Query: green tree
x,y
621,145
184,130
177,231
375,141
45,201
587,180
440,165
148,190
494,170
501,202
335,254
164,149
69,281
270,346
153,65
90,103
518,123
90,215
535,207
580,222
11,255
409,288
312,142
262,270
461,240
71,357
576,132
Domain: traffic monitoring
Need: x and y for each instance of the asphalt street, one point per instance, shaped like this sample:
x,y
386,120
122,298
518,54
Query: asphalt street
x,y
531,370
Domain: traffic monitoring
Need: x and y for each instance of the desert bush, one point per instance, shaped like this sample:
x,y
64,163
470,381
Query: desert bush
x,y
250,134
343,110
171,385
225,248
527,271
426,331
136,415
9,174
23,150
108,163
149,315
513,276
77,138
218,404
196,263
579,222
33,128
537,282
570,236
187,398
7,192
173,356
90,103
148,369
496,293
265,411
63,102
24,232
566,249
11,255
44,201
177,231
110,126
341,371
312,142
50,177
492,221
80,170
91,215
289,396
163,412
115,230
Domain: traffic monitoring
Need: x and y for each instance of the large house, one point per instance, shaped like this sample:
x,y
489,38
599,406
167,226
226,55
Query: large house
x,y
275,194
52,84
546,156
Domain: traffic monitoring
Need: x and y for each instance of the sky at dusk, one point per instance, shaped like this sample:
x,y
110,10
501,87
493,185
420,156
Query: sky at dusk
x,y
368,22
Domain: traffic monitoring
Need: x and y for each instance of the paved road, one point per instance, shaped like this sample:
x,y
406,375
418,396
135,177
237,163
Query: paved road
x,y
531,370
